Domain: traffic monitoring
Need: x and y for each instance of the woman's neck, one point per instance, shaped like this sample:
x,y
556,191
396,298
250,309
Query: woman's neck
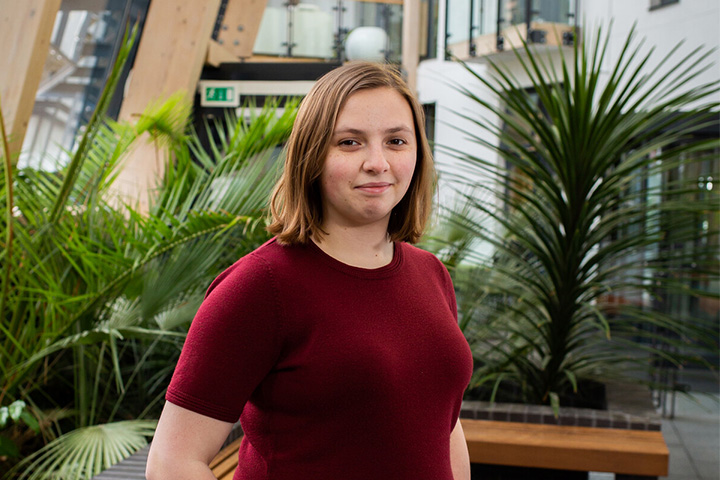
x,y
357,247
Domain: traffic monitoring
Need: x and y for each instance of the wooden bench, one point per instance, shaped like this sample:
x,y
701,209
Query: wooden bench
x,y
225,462
628,453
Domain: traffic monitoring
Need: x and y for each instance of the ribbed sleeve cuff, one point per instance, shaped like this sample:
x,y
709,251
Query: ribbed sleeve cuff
x,y
202,407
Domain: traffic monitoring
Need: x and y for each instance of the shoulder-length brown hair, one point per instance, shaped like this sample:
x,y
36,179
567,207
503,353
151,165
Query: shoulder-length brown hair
x,y
296,206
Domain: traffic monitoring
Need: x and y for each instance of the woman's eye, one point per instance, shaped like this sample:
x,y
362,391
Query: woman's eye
x,y
397,141
348,143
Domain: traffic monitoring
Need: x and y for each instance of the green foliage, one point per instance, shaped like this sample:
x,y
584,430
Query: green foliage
x,y
587,205
87,451
97,294
17,411
19,414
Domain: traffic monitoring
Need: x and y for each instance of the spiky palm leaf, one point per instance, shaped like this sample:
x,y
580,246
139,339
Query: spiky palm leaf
x,y
572,229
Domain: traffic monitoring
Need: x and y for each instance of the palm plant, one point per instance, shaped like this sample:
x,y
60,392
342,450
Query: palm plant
x,y
587,208
96,295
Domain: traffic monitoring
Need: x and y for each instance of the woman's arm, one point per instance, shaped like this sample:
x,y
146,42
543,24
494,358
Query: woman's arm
x,y
459,457
184,444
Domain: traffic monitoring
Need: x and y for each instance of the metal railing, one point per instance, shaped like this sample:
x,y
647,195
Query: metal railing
x,y
476,28
319,28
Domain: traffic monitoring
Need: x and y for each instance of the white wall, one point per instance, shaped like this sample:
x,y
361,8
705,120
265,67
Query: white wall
x,y
695,21
438,83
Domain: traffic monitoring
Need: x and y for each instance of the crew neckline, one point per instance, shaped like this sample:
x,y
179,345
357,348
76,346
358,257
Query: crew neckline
x,y
384,271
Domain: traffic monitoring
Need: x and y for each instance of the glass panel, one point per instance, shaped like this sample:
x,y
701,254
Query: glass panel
x,y
297,29
384,15
272,38
478,16
699,179
82,46
314,29
485,13
458,12
512,12
555,11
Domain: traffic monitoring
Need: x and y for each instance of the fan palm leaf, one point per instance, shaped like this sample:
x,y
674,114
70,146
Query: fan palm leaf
x,y
85,452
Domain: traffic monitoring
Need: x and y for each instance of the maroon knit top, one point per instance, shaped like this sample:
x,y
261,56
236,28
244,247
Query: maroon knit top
x,y
340,373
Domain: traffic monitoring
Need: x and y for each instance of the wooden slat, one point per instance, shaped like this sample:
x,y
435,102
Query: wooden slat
x,y
25,30
225,462
170,57
171,53
240,26
217,54
411,41
631,452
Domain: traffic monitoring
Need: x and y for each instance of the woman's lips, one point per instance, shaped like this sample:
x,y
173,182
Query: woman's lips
x,y
375,187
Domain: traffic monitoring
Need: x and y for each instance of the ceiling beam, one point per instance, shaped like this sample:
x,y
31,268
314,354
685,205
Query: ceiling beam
x,y
170,58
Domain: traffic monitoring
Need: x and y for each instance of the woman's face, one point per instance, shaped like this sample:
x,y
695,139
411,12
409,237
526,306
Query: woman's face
x,y
371,159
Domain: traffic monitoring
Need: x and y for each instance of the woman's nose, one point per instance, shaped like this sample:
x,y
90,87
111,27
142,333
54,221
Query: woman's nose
x,y
375,160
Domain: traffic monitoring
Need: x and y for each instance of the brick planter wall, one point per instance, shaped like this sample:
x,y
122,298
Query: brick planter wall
x,y
629,407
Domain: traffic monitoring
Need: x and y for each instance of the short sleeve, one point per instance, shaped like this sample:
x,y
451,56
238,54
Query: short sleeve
x,y
232,344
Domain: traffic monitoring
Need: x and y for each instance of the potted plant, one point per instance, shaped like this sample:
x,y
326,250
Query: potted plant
x,y
594,222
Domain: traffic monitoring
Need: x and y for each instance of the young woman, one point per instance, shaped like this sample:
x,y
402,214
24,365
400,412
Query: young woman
x,y
336,343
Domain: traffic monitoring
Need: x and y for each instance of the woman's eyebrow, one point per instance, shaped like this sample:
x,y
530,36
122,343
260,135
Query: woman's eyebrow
x,y
355,131
399,129
343,131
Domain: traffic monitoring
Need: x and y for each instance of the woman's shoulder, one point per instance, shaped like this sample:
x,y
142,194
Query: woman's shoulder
x,y
261,266
417,254
425,263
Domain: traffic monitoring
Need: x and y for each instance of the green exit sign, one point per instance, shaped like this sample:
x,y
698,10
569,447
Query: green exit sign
x,y
219,94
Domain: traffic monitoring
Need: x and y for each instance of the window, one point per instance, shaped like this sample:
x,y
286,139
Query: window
x,y
655,4
429,109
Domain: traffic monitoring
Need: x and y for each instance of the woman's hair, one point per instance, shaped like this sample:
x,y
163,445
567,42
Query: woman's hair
x,y
296,205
